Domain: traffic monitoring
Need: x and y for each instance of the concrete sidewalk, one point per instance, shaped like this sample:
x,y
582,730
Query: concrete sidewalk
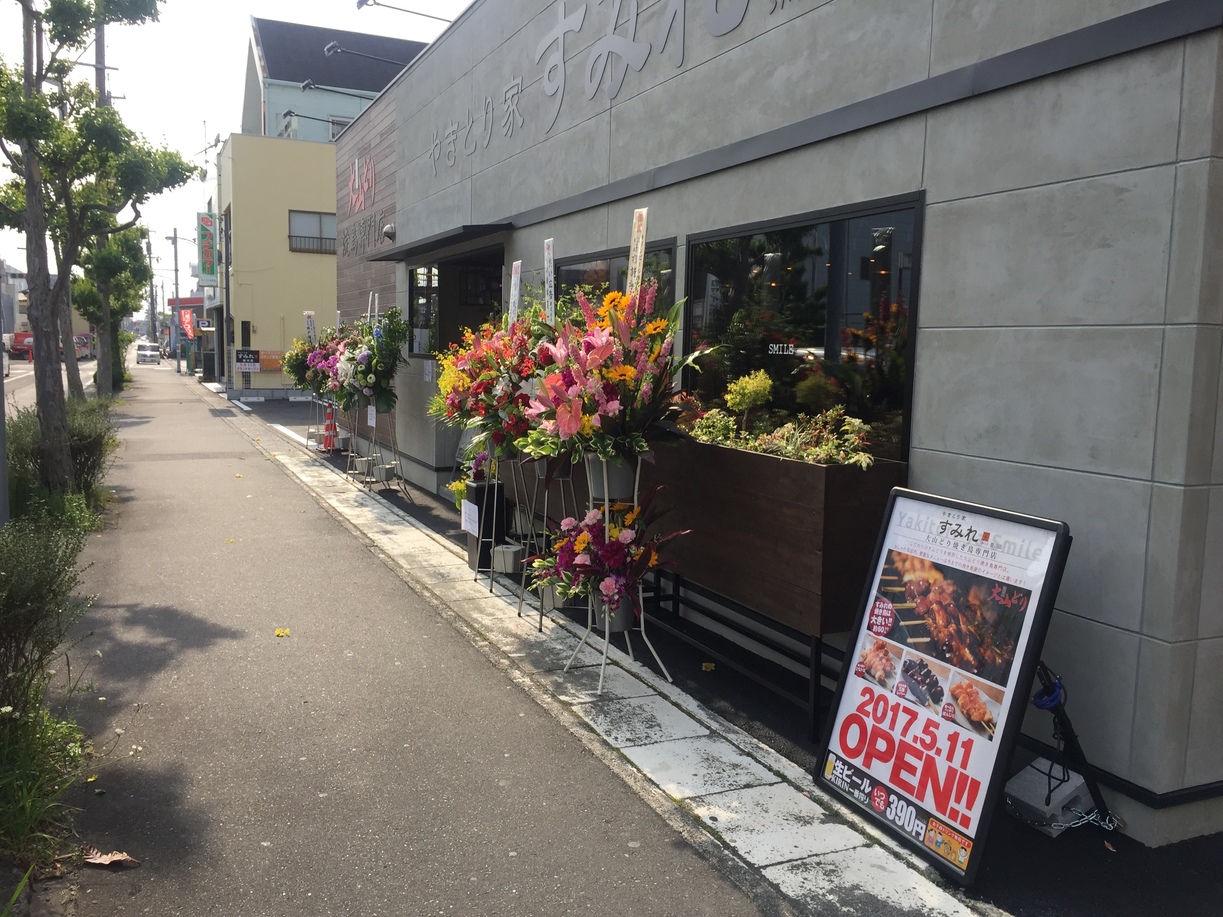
x,y
759,807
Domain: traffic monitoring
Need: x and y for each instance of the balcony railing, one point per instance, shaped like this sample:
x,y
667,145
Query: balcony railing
x,y
313,245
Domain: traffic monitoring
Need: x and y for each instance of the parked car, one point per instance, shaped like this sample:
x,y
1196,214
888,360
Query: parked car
x,y
147,352
85,348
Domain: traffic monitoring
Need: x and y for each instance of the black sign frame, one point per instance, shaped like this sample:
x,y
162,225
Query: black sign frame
x,y
939,833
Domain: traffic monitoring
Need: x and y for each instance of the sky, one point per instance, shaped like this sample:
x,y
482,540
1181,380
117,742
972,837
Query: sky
x,y
178,82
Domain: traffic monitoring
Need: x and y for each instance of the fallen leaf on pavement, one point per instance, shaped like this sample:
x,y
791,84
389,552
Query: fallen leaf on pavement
x,y
707,666
282,632
237,475
115,858
1110,846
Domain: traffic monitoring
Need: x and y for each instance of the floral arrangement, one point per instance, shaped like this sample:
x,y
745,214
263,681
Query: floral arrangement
x,y
476,470
312,366
364,372
485,382
355,366
605,385
604,556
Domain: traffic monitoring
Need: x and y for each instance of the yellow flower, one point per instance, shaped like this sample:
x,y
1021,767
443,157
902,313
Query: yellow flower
x,y
581,542
632,516
588,426
657,326
623,373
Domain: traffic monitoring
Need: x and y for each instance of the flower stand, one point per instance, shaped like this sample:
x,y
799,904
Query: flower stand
x,y
612,476
534,536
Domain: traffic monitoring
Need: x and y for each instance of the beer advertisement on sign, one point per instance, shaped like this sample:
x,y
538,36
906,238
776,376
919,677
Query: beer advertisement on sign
x,y
939,668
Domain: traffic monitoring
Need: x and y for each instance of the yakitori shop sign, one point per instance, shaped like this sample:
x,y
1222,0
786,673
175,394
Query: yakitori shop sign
x,y
937,674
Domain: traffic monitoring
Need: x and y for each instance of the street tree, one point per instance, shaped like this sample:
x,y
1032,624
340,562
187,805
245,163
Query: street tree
x,y
116,274
79,172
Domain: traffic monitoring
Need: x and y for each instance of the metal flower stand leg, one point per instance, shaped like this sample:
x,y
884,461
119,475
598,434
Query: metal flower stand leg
x,y
488,524
596,474
355,461
538,536
314,432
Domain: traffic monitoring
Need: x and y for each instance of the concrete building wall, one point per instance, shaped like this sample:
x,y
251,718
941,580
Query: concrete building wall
x,y
1071,323
262,179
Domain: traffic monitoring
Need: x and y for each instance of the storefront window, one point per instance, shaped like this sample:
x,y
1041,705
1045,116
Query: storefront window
x,y
423,302
599,275
822,307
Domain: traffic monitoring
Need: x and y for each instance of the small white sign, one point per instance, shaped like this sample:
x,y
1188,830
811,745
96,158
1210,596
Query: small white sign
x,y
371,416
311,330
471,518
636,255
428,370
549,282
515,290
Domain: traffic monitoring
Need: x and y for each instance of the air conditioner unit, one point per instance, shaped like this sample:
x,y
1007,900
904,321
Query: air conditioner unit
x,y
288,126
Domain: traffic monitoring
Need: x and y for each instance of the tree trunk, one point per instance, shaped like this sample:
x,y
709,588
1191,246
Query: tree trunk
x,y
68,339
48,383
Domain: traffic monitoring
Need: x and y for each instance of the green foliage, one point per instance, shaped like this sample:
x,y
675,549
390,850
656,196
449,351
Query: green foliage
x,y
830,438
92,440
716,426
38,605
748,392
40,758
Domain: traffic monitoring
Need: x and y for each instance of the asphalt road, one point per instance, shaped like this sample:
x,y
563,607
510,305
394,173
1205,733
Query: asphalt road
x,y
371,762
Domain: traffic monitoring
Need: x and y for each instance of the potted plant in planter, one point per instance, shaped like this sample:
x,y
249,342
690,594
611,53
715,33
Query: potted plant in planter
x,y
812,478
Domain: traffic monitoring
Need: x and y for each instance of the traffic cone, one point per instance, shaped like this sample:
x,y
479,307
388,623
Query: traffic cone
x,y
29,355
329,429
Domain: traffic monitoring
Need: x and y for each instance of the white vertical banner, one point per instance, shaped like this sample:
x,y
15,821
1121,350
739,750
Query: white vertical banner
x,y
636,254
375,307
311,330
371,415
515,289
549,283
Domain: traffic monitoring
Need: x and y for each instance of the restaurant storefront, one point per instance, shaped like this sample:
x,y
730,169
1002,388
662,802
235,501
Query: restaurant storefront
x,y
1029,201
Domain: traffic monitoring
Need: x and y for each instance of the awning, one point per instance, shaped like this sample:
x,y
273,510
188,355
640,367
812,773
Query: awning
x,y
456,236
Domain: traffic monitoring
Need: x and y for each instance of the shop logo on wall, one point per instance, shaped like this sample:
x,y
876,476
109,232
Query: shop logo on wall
x,y
361,182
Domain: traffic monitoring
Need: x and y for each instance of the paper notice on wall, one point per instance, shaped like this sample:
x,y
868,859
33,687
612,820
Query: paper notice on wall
x,y
311,329
470,518
515,290
549,282
636,255
428,370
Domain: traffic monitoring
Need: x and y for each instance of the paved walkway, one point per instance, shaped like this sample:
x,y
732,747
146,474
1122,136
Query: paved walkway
x,y
761,807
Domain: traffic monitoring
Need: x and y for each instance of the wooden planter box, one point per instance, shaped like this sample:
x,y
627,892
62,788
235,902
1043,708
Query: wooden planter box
x,y
788,539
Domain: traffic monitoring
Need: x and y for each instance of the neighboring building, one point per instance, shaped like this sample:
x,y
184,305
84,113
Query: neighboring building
x,y
1038,184
287,70
275,196
278,251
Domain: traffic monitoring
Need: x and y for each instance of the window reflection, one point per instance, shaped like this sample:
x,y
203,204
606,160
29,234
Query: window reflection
x,y
822,308
598,276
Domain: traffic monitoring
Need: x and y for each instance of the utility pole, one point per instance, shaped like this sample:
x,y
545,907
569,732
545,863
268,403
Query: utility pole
x,y
148,248
178,346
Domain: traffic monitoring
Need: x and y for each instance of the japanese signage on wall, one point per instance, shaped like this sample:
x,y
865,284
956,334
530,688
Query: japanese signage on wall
x,y
206,245
937,673
628,35
246,361
311,328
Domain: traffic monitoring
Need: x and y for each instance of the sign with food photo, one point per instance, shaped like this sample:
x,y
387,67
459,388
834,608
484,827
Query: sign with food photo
x,y
940,666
